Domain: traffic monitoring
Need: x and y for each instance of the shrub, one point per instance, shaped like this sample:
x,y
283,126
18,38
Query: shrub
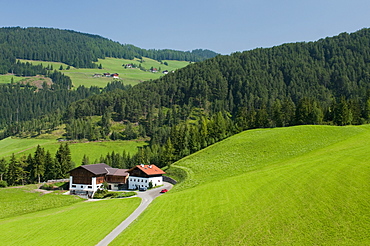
x,y
3,184
100,194
47,187
127,194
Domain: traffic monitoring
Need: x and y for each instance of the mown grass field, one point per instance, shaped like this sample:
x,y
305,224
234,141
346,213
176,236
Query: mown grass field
x,y
84,76
82,223
93,150
304,185
24,200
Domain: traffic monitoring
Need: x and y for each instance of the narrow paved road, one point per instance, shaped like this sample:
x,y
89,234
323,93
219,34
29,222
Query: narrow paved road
x,y
146,198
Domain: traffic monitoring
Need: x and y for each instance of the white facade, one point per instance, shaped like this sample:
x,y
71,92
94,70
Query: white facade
x,y
138,182
84,188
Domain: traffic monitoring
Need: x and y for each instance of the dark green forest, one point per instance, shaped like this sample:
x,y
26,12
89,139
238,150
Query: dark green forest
x,y
322,82
76,49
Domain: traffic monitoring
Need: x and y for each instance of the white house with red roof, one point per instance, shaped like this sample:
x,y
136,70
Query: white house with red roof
x,y
142,175
87,179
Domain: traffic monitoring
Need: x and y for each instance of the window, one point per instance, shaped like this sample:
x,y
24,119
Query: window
x,y
89,187
82,186
73,186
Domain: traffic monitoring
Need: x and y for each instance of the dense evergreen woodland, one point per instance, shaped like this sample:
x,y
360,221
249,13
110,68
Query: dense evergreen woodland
x,y
76,49
323,82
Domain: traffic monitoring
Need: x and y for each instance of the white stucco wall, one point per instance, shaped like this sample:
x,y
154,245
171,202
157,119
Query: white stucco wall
x,y
137,182
84,187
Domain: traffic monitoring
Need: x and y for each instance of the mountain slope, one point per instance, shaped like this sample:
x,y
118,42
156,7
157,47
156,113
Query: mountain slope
x,y
78,49
300,185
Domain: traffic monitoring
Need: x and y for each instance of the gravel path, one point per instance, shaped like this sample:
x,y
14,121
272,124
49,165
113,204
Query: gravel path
x,y
146,198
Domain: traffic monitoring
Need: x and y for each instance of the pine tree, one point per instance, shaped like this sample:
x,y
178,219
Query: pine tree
x,y
38,164
3,168
14,172
51,170
85,160
64,160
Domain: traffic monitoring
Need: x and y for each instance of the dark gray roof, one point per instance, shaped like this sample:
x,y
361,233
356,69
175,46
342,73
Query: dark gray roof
x,y
96,169
117,172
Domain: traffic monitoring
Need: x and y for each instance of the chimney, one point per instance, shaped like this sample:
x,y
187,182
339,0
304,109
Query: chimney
x,y
150,166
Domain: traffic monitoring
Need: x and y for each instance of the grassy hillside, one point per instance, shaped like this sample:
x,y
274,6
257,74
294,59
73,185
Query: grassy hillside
x,y
92,149
24,200
302,185
82,223
84,76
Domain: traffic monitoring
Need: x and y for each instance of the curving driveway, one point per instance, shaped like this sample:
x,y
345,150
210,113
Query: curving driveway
x,y
146,198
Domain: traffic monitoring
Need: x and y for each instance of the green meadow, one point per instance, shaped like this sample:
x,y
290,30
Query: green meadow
x,y
81,223
93,150
7,78
303,185
133,76
24,200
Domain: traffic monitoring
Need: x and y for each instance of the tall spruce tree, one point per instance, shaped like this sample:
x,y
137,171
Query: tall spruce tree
x,y
3,168
38,164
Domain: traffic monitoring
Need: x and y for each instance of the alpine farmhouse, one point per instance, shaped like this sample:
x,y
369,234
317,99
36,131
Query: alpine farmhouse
x,y
87,179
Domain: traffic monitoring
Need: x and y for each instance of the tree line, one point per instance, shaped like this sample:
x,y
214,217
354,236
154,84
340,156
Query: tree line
x,y
323,82
41,166
76,49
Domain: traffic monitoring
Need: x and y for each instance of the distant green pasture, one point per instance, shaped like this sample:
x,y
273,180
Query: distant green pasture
x,y
92,149
133,76
7,78
304,185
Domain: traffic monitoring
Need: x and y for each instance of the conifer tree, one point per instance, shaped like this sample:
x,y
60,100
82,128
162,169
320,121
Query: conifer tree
x,y
3,168
38,164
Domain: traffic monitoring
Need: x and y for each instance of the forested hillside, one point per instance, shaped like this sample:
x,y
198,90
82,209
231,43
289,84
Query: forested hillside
x,y
323,82
75,48
301,83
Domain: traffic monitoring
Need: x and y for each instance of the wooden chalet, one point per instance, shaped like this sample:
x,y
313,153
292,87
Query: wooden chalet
x,y
87,179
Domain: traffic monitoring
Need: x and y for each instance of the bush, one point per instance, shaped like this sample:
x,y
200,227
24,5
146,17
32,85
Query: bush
x,y
47,187
127,194
101,194
3,184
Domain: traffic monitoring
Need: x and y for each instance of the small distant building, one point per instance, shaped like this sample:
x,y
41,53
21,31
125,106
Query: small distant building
x,y
97,75
87,179
142,175
165,72
128,65
106,74
115,75
153,70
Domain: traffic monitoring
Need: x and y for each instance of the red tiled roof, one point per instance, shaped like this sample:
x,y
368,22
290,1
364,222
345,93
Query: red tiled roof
x,y
149,169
